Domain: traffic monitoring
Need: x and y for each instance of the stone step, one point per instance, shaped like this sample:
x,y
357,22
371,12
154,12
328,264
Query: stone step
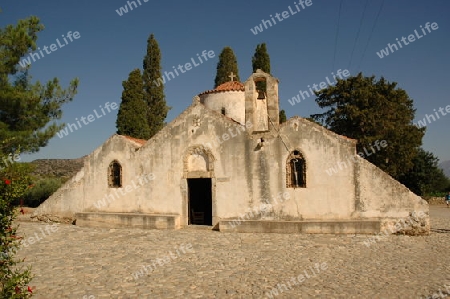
x,y
305,227
134,220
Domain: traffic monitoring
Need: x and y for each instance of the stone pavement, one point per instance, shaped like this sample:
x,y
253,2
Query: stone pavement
x,y
80,262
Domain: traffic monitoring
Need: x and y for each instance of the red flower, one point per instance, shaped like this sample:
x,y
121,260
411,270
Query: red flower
x,y
17,290
7,182
29,290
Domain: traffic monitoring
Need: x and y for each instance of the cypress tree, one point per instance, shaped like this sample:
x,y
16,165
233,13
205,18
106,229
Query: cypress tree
x,y
132,115
282,116
227,64
261,60
154,91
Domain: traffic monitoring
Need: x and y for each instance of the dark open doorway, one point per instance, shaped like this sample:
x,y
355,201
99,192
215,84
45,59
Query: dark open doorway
x,y
200,201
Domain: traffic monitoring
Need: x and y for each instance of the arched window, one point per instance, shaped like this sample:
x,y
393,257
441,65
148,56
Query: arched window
x,y
296,170
115,175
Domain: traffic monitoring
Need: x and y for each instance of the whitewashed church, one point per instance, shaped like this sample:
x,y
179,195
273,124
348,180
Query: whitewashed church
x,y
227,163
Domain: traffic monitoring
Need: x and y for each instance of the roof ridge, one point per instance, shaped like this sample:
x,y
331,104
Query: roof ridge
x,y
227,86
137,140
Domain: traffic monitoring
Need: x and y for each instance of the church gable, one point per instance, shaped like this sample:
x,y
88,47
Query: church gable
x,y
197,123
301,125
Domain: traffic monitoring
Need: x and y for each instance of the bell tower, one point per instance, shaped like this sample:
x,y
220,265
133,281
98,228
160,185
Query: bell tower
x,y
262,106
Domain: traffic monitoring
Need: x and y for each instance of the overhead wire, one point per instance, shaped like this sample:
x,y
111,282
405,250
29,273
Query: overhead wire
x,y
371,33
337,34
357,34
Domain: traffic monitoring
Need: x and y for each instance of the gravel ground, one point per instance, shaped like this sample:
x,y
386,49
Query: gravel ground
x,y
89,263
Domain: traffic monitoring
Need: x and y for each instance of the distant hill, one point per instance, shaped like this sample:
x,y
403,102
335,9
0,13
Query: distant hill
x,y
61,168
446,167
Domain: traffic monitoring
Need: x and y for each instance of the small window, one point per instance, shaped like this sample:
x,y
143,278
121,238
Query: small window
x,y
296,171
115,175
223,110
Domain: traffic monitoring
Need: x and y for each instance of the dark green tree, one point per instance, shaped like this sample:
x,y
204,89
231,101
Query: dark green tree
x,y
368,110
425,177
27,110
132,115
261,60
227,64
153,90
282,117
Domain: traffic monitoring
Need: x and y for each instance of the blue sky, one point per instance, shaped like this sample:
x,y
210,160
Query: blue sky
x,y
302,48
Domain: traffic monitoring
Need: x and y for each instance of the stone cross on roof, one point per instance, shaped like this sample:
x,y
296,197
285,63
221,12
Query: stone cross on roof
x,y
232,76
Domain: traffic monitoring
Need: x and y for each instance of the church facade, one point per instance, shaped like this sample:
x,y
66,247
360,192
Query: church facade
x,y
226,162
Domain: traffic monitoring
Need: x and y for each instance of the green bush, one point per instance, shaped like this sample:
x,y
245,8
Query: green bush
x,y
436,194
14,278
41,190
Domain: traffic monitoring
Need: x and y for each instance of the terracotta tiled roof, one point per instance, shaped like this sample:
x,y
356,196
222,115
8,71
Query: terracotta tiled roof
x,y
231,85
227,86
139,141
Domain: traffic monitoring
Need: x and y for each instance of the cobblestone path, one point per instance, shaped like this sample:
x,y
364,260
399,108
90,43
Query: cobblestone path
x,y
92,263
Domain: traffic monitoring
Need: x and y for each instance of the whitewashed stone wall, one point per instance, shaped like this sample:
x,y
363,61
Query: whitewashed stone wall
x,y
246,173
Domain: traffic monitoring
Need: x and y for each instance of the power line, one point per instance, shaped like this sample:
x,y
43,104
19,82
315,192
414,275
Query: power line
x,y
337,34
370,36
357,34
